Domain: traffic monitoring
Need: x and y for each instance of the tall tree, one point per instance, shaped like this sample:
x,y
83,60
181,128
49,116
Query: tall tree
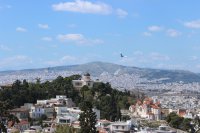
x,y
83,89
87,118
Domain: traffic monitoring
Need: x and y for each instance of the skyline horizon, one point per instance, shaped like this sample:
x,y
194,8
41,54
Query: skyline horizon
x,y
24,69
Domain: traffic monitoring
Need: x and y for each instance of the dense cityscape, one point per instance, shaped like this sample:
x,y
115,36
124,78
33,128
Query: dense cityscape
x,y
147,114
99,66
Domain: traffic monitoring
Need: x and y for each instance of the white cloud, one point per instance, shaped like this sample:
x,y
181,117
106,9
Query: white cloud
x,y
147,34
155,28
78,39
72,26
16,61
194,58
173,33
138,53
4,48
47,39
121,13
146,60
160,57
21,29
43,26
198,66
193,24
70,37
67,59
83,6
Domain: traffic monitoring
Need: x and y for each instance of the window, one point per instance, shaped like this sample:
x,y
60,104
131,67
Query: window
x,y
68,121
62,121
117,127
122,127
78,84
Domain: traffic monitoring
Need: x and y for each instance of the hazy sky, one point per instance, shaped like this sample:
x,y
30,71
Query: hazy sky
x,y
151,33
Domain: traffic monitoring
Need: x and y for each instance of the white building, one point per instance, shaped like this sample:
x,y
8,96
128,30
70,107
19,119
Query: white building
x,y
76,110
67,115
121,127
65,119
59,100
38,111
61,110
85,80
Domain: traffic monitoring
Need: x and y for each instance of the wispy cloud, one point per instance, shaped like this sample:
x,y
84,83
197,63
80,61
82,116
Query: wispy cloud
x,y
4,48
72,25
147,33
43,26
194,58
146,60
173,33
15,61
158,56
21,29
71,37
155,28
78,39
67,59
47,39
121,13
5,7
193,24
83,6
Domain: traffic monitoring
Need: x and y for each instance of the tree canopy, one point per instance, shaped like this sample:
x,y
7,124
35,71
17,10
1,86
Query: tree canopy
x,y
102,96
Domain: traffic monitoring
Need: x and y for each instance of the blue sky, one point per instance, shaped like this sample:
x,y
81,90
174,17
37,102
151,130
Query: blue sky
x,y
151,33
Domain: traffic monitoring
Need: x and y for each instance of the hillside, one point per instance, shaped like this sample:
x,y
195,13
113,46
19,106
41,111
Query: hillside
x,y
99,69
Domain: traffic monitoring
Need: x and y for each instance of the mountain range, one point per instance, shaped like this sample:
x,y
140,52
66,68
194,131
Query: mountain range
x,y
96,69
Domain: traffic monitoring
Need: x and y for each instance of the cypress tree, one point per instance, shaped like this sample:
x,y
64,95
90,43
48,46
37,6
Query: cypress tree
x,y
87,118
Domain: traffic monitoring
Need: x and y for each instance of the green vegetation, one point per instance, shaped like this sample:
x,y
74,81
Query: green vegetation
x,y
151,124
108,100
65,129
24,92
87,118
178,122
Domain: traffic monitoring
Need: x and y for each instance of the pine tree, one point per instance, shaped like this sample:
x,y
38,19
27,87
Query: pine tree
x,y
87,118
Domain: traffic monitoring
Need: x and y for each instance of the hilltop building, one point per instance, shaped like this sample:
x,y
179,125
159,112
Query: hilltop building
x,y
85,80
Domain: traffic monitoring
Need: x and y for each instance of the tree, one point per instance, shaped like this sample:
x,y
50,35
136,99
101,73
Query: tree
x,y
13,118
186,125
179,122
65,129
87,118
176,121
169,117
83,89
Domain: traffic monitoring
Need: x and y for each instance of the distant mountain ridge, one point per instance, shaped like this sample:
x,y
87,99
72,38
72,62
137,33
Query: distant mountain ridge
x,y
97,68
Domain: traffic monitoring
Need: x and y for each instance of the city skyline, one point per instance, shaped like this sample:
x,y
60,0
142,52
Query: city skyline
x,y
153,34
